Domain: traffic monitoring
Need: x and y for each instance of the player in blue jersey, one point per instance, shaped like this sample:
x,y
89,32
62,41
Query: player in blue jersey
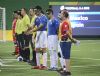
x,y
52,27
41,38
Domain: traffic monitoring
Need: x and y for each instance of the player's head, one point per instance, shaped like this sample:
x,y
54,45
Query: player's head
x,y
38,10
15,15
19,14
32,11
64,14
23,11
49,12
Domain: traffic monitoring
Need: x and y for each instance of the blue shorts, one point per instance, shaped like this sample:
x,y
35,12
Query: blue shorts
x,y
65,48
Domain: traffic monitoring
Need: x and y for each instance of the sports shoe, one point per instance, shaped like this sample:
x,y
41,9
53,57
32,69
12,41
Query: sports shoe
x,y
42,67
33,63
61,69
35,67
52,69
64,73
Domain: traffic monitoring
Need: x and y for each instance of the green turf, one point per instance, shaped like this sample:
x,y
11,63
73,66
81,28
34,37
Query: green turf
x,y
85,61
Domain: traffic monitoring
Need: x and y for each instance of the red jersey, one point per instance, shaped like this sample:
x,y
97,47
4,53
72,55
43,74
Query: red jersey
x,y
14,25
64,27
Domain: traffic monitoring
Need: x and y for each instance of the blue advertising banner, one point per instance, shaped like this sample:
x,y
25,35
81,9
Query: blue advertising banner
x,y
85,20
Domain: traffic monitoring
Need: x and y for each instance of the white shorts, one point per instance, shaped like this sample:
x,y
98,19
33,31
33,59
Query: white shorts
x,y
41,39
52,42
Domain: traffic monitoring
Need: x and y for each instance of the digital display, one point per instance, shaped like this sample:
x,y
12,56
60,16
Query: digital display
x,y
85,20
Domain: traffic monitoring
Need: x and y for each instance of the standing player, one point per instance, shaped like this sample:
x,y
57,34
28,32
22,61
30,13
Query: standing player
x,y
52,27
41,38
26,25
32,18
13,33
19,34
66,40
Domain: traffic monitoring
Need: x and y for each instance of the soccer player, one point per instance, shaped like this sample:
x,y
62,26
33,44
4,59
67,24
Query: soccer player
x,y
19,34
66,40
27,38
52,30
41,38
13,33
33,35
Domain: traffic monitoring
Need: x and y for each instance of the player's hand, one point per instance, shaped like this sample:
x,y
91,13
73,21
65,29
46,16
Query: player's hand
x,y
29,32
77,42
73,40
25,32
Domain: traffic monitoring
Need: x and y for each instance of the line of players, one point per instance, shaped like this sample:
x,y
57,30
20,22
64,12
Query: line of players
x,y
44,33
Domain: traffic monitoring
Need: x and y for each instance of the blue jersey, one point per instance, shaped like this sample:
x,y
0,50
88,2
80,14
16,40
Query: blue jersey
x,y
53,26
41,20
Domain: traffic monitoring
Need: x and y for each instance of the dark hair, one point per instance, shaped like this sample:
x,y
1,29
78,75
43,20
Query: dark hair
x,y
25,9
19,13
48,11
32,8
38,8
15,12
50,6
65,12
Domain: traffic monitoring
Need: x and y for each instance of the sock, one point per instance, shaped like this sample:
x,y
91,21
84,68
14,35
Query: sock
x,y
28,54
51,59
22,53
62,62
55,59
45,59
34,56
38,58
16,50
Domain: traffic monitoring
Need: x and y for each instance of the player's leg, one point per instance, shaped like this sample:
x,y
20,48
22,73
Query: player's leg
x,y
27,49
37,49
33,61
62,62
43,45
15,45
52,43
21,45
50,51
66,49
55,52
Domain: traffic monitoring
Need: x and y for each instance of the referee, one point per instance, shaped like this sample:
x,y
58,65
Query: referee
x,y
27,38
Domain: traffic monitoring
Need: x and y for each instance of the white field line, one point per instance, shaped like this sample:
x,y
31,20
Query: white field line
x,y
12,60
14,68
85,58
86,66
76,50
4,60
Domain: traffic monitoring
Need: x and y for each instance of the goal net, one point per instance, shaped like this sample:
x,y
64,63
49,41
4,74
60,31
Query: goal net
x,y
2,24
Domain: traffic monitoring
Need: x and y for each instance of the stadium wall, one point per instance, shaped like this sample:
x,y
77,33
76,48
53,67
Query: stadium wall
x,y
12,5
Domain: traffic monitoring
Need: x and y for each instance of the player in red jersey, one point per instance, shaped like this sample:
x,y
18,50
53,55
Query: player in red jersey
x,y
66,39
14,34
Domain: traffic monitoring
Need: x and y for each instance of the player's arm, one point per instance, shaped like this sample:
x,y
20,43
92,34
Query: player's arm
x,y
37,22
69,33
28,25
70,37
